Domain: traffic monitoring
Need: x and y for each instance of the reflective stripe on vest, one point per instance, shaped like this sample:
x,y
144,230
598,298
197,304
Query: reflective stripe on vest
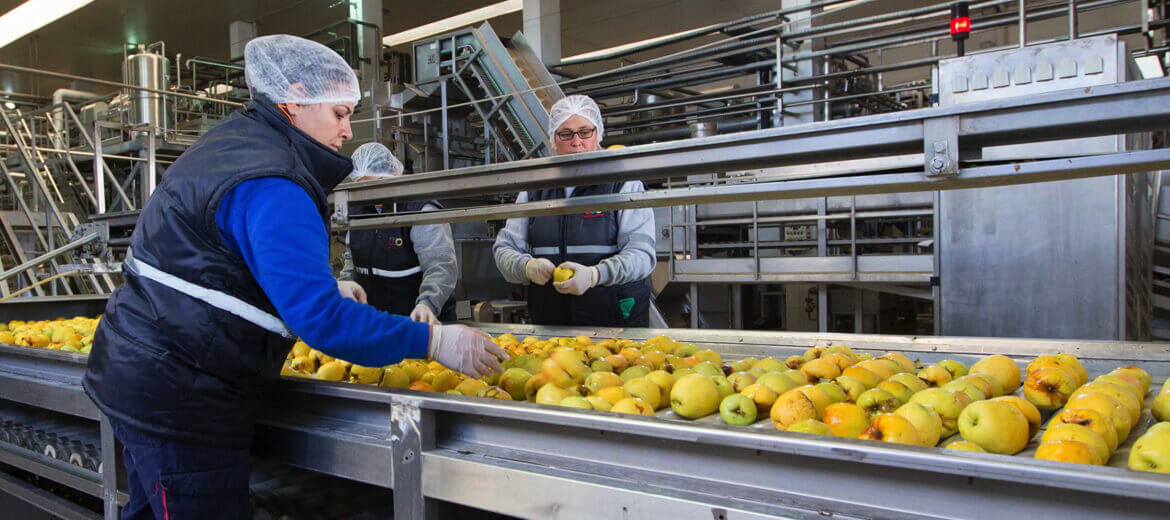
x,y
576,250
212,297
389,274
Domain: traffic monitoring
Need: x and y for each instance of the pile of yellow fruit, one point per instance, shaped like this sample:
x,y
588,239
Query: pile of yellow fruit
x,y
827,390
71,335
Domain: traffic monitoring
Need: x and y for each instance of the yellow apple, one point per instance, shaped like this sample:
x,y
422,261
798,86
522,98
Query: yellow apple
x,y
663,379
996,426
867,377
612,394
598,380
645,390
396,377
876,401
818,369
1121,393
1003,369
1049,387
1065,450
890,427
598,403
899,390
956,368
883,370
852,386
962,445
986,383
1069,360
835,392
694,396
1160,409
790,408
777,382
1142,376
1090,419
966,387
925,420
762,396
551,394
741,380
845,419
911,381
1031,413
841,360
1076,432
633,406
907,365
945,404
1107,406
1151,452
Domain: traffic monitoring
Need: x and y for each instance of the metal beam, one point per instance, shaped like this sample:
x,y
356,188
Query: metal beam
x,y
1103,110
976,177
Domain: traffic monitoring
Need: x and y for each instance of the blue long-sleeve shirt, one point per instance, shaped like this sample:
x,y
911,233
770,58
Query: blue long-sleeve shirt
x,y
273,224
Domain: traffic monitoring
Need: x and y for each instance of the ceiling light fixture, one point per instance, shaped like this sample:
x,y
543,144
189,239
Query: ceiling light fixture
x,y
454,22
34,14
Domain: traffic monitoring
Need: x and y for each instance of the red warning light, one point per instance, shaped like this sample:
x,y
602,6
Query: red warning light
x,y
961,26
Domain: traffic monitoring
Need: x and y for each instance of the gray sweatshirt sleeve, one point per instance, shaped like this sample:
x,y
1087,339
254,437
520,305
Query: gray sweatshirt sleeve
x,y
346,267
435,248
636,256
511,247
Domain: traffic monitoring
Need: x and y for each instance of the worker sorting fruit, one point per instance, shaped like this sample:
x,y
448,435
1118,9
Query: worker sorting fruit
x,y
228,264
589,269
400,270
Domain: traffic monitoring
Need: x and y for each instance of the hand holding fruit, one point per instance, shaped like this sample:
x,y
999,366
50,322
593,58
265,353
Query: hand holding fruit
x,y
583,279
539,270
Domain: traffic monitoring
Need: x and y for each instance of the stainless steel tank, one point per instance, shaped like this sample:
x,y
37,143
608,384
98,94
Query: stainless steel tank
x,y
147,69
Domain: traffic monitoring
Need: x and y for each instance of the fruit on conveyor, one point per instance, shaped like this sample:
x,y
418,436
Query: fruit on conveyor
x,y
69,335
827,390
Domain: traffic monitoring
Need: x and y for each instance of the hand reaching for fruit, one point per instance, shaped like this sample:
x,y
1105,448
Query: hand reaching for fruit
x,y
539,270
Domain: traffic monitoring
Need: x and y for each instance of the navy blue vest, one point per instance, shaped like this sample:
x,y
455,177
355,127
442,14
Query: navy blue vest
x,y
586,239
172,365
387,267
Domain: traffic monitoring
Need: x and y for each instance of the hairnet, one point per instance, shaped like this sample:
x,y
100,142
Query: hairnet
x,y
287,69
569,106
374,160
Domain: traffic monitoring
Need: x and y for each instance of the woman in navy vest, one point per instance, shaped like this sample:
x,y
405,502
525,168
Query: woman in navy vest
x,y
228,264
400,270
611,253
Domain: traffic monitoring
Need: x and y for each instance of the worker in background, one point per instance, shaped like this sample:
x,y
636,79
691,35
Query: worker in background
x,y
228,264
611,253
400,270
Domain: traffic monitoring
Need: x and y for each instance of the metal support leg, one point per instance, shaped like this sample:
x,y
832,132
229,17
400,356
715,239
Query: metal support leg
x,y
109,470
694,306
1023,24
410,435
858,311
1072,19
737,306
822,307
446,130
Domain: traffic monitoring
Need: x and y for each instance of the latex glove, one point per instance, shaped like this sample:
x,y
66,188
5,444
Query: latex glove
x,y
584,278
466,350
539,270
350,289
422,312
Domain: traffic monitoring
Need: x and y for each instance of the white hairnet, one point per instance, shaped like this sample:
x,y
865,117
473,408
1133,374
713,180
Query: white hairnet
x,y
374,160
569,106
287,69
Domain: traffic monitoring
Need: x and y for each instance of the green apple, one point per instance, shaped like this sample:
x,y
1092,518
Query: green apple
x,y
966,387
945,404
574,401
723,385
852,386
777,382
598,380
694,396
645,390
812,426
836,393
910,381
738,410
876,401
956,368
741,380
634,372
770,365
1161,407
995,426
601,365
707,368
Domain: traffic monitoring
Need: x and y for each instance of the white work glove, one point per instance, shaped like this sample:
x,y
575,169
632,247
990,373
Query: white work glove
x,y
539,270
350,289
584,278
466,350
422,312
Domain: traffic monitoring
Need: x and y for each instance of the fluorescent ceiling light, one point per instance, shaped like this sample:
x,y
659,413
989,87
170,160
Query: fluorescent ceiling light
x,y
631,45
33,15
1151,66
454,22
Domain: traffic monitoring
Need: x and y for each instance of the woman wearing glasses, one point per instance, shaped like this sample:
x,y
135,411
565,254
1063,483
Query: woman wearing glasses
x,y
611,253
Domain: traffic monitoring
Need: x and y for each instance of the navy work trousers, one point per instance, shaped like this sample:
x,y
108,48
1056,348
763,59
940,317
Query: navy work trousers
x,y
171,480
